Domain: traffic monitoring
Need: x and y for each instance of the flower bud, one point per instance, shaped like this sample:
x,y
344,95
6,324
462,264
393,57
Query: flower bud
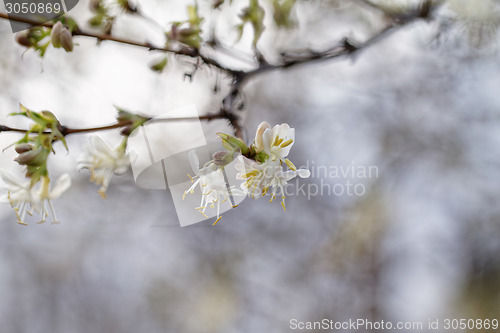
x,y
22,39
259,143
95,5
232,143
23,147
55,34
222,158
67,40
188,32
32,157
96,21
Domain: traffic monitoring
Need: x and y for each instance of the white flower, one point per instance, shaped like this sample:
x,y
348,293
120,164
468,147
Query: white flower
x,y
275,142
19,195
46,195
103,162
213,187
25,199
260,177
256,183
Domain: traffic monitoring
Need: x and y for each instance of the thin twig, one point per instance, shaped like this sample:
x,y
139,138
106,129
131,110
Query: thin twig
x,y
183,51
345,47
67,131
239,78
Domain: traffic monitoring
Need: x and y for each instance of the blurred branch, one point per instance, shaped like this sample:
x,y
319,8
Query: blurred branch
x,y
184,51
346,47
230,104
374,6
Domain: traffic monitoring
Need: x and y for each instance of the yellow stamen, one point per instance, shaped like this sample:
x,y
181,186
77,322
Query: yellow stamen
x,y
272,198
250,174
202,213
184,195
234,206
253,192
283,203
286,143
277,141
264,191
290,164
191,178
217,220
248,182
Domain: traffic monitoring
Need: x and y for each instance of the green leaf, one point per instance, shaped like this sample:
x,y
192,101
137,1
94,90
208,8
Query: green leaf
x,y
253,14
234,143
130,120
160,65
187,32
282,12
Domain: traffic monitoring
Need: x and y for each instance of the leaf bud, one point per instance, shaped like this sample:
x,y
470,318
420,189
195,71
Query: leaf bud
x,y
55,34
35,157
23,148
23,39
67,40
222,158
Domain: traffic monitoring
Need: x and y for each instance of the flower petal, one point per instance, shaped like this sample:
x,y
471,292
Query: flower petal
x,y
62,184
267,140
4,199
304,173
132,155
99,145
10,179
195,163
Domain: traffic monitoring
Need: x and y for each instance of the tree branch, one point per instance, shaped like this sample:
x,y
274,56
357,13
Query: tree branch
x,y
67,130
184,51
344,48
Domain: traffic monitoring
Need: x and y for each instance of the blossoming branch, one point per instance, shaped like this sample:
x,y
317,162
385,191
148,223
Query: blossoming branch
x,y
262,166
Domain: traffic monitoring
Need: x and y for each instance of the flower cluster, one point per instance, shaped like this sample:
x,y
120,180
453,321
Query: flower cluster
x,y
260,166
102,161
25,198
213,187
265,170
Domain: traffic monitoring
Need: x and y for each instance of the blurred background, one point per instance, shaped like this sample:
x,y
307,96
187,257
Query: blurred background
x,y
422,241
